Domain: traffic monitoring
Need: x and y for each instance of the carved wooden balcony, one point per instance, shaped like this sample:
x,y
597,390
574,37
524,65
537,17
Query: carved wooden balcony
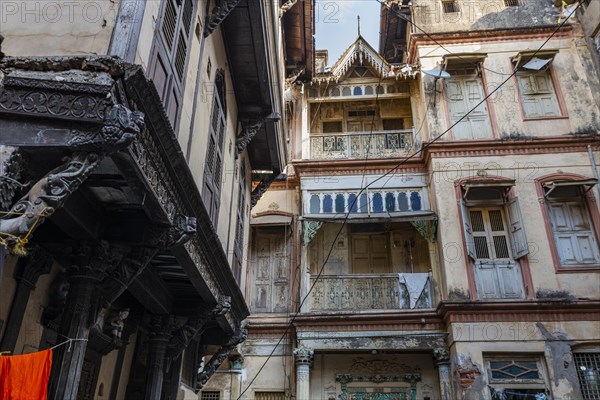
x,y
357,145
405,291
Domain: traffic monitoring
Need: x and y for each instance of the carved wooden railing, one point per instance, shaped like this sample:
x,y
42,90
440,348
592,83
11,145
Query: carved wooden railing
x,y
380,144
371,292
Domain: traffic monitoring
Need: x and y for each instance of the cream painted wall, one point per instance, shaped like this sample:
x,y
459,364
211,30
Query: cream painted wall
x,y
581,109
50,27
31,331
524,169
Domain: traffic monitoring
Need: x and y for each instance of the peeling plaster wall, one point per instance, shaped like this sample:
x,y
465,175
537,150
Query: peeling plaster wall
x,y
472,342
429,15
524,169
50,27
569,68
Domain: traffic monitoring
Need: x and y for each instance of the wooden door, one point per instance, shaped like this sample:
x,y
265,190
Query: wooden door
x,y
271,272
370,254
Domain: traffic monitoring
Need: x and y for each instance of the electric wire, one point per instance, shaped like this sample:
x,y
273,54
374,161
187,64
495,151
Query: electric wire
x,y
403,161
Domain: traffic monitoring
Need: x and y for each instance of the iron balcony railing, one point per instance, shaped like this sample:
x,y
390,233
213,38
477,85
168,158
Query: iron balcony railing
x,y
380,144
371,292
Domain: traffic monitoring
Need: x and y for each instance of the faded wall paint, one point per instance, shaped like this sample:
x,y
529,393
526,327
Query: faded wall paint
x,y
50,27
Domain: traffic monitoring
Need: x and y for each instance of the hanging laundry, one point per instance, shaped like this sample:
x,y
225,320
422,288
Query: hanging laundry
x,y
25,377
415,284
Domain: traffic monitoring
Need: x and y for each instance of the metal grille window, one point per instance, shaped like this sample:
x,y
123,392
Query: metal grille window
x,y
450,7
269,396
210,395
495,239
513,3
588,372
489,234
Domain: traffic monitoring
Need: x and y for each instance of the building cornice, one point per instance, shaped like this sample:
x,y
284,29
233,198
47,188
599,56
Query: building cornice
x,y
488,36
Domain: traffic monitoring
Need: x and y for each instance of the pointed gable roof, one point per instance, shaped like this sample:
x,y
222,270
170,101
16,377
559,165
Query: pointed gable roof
x,y
361,50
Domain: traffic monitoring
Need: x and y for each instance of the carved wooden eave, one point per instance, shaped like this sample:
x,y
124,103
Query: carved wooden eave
x,y
365,54
159,158
73,106
218,15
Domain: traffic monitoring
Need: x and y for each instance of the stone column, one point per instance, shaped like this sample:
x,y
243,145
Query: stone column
x,y
236,365
442,361
89,263
304,359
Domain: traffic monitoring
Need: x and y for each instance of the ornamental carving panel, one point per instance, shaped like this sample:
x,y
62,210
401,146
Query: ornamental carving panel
x,y
53,104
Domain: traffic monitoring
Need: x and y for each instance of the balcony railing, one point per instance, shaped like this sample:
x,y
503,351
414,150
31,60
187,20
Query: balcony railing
x,y
380,144
371,292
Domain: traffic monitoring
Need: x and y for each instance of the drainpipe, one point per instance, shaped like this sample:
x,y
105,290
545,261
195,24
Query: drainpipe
x,y
593,161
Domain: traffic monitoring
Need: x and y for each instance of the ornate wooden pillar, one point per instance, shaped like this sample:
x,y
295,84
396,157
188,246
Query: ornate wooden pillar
x,y
161,329
442,361
88,267
27,273
304,359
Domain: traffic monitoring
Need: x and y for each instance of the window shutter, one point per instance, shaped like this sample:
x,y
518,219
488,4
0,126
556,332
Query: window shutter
x,y
468,231
517,230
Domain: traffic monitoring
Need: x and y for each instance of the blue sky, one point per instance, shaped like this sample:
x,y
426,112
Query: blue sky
x,y
336,27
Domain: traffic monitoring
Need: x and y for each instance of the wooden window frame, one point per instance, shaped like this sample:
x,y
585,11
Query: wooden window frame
x,y
467,58
551,71
523,260
543,383
174,88
238,243
213,176
590,201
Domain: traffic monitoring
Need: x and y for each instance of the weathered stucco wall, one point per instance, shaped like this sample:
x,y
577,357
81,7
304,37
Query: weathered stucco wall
x,y
51,27
580,111
429,15
524,169
552,342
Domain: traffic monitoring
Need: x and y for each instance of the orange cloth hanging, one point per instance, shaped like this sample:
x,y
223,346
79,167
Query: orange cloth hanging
x,y
25,377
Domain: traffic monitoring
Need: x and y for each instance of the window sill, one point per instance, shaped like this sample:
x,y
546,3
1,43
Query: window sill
x,y
533,119
578,269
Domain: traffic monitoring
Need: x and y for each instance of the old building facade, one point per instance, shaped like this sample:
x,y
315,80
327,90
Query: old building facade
x,y
438,229
135,136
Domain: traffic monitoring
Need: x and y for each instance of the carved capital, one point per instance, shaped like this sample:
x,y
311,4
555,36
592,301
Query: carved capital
x,y
92,261
304,355
441,355
37,263
413,379
236,361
